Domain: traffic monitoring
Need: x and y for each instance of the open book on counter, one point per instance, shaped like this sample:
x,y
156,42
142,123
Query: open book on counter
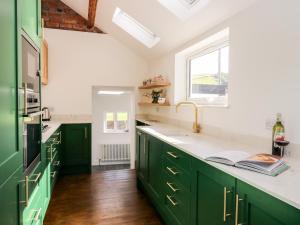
x,y
262,163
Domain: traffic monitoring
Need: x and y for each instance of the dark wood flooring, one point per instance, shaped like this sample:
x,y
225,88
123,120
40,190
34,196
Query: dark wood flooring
x,y
100,198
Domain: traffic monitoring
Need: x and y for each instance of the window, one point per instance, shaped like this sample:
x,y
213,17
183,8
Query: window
x,y
135,28
208,76
116,122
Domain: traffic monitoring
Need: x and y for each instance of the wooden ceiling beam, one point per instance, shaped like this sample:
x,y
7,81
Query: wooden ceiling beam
x,y
92,13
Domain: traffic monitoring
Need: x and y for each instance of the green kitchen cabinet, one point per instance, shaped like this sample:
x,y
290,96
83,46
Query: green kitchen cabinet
x,y
33,213
215,193
12,198
155,152
45,190
142,156
31,19
76,148
11,157
254,207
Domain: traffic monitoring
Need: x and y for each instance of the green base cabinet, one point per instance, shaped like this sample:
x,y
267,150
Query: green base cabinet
x,y
255,207
187,191
142,156
76,145
215,193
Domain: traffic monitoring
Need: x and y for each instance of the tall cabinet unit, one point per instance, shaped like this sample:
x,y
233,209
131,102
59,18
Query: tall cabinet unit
x,y
11,156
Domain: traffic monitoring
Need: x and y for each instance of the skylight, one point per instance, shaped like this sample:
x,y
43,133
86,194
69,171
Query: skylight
x,y
184,9
134,28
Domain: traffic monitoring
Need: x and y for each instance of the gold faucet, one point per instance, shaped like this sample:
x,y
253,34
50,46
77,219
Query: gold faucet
x,y
196,125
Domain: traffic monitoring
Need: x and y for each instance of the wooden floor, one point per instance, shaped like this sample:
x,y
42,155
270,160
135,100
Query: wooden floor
x,y
103,197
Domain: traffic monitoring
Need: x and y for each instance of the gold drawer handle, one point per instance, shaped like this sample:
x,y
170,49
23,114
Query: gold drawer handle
x,y
36,178
172,155
237,200
225,204
56,163
37,216
53,157
172,171
26,202
171,187
172,202
53,174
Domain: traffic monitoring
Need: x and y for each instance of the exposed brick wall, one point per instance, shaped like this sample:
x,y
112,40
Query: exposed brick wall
x,y
58,15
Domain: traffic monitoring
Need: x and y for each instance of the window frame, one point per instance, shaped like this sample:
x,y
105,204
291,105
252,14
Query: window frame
x,y
115,130
220,101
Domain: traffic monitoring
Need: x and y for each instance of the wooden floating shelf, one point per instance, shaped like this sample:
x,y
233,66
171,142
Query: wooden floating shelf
x,y
153,104
154,86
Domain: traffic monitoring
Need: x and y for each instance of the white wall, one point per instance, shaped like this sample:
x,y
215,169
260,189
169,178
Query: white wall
x,y
112,103
264,71
78,61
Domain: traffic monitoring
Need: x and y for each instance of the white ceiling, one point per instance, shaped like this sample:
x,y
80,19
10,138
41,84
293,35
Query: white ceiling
x,y
172,31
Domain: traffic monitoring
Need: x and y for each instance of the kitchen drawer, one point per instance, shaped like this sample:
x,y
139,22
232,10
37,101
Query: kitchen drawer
x,y
180,158
176,173
177,205
32,214
34,178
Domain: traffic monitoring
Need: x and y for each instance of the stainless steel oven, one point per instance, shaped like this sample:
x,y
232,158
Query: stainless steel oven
x,y
30,93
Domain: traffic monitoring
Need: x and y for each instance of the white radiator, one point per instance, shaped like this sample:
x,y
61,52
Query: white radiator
x,y
114,154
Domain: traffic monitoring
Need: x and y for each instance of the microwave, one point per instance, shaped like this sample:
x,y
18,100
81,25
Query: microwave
x,y
31,104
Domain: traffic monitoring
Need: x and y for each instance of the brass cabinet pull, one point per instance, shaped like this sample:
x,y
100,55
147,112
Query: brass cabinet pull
x,y
225,204
145,140
85,133
56,163
173,155
171,187
36,178
172,202
237,200
53,157
37,216
25,99
26,202
53,174
172,171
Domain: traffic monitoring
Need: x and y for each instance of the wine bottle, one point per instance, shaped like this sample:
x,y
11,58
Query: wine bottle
x,y
278,135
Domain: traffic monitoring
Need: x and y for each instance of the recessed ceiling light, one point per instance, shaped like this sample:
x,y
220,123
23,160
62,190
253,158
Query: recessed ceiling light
x,y
184,9
110,92
134,28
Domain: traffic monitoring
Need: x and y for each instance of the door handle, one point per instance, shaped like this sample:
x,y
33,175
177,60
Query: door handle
x,y
36,178
171,200
172,171
237,200
225,215
85,133
173,155
25,99
26,202
171,187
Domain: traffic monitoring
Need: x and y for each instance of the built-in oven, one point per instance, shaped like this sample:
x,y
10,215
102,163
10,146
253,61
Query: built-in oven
x,y
31,107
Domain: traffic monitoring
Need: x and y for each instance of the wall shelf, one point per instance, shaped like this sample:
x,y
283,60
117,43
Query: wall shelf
x,y
152,86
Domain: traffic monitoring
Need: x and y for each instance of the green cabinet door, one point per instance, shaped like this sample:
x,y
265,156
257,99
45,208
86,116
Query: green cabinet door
x,y
31,19
214,191
142,153
11,155
155,152
76,148
255,207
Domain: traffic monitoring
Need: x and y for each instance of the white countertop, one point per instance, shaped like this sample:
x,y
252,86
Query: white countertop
x,y
285,186
55,124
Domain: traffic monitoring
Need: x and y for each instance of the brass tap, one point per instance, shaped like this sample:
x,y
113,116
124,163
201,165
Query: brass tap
x,y
196,125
